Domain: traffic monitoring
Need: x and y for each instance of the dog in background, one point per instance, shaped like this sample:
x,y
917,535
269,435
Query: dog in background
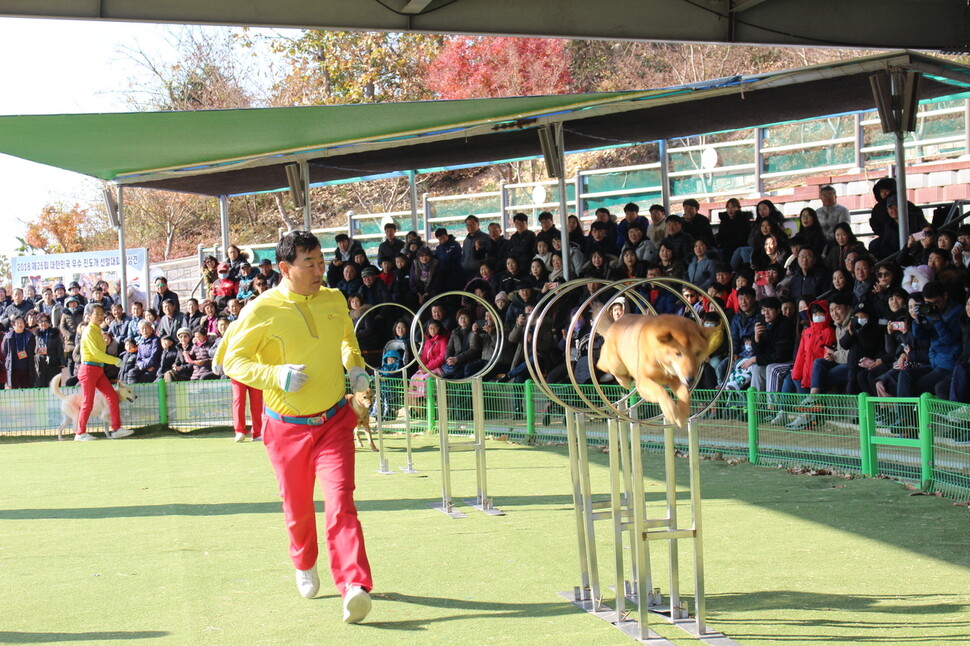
x,y
655,352
71,405
361,402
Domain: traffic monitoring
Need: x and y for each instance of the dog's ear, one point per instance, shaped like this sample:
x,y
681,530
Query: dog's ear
x,y
666,337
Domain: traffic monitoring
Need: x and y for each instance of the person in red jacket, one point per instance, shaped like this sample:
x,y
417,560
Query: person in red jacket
x,y
224,288
817,339
433,355
819,336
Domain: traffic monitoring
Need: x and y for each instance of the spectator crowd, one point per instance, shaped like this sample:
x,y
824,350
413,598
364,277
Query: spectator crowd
x,y
811,310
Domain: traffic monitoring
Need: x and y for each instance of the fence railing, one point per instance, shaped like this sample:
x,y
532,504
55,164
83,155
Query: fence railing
x,y
924,441
706,167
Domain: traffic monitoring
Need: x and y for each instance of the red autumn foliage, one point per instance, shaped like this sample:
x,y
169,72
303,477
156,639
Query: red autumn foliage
x,y
470,68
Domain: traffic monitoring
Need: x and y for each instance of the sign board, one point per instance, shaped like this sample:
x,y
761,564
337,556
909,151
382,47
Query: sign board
x,y
86,267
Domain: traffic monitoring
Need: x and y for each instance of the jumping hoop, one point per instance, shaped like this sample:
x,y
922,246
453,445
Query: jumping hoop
x,y
496,321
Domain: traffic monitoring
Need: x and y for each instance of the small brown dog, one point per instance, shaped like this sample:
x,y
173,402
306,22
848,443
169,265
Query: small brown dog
x,y
361,403
656,352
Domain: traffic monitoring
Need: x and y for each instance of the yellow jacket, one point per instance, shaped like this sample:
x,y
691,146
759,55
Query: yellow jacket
x,y
281,327
93,347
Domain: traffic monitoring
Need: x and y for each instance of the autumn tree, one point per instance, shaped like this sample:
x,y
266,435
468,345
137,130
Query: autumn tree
x,y
59,228
327,67
479,67
205,70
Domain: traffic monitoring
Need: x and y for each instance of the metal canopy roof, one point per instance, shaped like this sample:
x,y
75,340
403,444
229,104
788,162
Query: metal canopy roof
x,y
231,152
878,24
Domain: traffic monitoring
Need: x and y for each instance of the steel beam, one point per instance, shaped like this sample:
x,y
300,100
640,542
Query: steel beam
x,y
883,24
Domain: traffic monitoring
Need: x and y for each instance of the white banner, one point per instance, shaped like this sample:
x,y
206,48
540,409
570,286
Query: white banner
x,y
86,267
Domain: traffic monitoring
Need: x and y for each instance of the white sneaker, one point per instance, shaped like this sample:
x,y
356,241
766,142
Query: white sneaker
x,y
240,436
121,432
808,401
84,437
779,419
356,604
307,582
798,423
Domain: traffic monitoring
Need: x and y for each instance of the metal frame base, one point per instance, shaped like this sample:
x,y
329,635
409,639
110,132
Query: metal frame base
x,y
630,627
486,508
447,509
383,468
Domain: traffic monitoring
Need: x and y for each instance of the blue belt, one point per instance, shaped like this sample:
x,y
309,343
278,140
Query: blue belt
x,y
311,420
93,363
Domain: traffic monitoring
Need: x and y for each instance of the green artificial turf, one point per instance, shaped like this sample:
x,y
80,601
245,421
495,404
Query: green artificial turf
x,y
168,539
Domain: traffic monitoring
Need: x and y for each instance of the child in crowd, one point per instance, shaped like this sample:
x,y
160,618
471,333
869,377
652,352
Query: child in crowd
x,y
128,358
169,355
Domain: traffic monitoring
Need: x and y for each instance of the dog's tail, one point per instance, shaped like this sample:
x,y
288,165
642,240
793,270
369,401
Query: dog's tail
x,y
55,387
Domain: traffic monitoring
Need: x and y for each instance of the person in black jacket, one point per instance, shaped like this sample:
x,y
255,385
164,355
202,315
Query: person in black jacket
x,y
774,341
697,225
18,352
732,232
49,351
391,246
522,243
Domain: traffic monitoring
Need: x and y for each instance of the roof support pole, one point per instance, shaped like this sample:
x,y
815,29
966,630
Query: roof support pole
x,y
305,178
899,137
224,223
664,174
563,204
122,251
413,193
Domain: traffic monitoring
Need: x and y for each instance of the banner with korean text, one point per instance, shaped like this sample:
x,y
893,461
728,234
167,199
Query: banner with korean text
x,y
87,268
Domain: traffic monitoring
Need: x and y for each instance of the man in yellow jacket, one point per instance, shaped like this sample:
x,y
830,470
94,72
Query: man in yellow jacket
x,y
293,343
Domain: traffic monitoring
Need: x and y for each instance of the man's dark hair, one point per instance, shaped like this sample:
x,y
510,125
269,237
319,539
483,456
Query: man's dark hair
x,y
692,202
520,217
844,300
769,302
598,226
934,289
939,252
545,215
473,218
286,248
167,336
747,290
340,237
658,207
390,225
632,206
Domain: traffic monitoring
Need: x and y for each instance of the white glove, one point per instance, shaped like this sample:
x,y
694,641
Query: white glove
x,y
291,377
359,381
217,368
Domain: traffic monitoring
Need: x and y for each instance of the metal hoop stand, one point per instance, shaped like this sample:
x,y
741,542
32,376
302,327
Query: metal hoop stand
x,y
625,505
382,467
482,502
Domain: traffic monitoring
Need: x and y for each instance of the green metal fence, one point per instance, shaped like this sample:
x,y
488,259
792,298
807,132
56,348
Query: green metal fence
x,y
924,441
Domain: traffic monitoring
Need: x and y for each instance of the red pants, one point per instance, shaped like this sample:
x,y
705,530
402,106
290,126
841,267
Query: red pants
x,y
300,454
239,392
92,378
